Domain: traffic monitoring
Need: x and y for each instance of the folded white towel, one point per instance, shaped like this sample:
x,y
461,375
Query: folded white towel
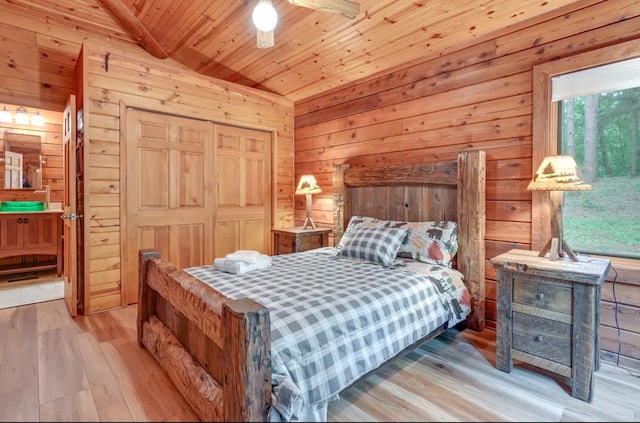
x,y
238,266
248,257
241,254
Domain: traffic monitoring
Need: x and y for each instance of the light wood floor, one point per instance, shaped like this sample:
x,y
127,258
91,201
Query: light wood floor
x,y
55,368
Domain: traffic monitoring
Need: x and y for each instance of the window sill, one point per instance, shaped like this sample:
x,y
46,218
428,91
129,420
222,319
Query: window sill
x,y
628,270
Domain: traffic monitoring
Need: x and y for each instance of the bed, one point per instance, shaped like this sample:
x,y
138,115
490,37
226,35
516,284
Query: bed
x,y
228,354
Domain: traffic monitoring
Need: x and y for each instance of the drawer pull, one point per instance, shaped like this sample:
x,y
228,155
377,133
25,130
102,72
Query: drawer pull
x,y
539,338
540,295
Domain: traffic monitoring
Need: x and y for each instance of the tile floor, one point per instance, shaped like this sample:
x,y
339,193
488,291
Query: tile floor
x,y
29,293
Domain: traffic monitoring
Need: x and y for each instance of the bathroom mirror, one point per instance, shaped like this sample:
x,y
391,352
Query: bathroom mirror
x,y
22,160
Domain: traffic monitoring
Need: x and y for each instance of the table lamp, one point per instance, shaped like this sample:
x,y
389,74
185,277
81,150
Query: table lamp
x,y
307,186
557,174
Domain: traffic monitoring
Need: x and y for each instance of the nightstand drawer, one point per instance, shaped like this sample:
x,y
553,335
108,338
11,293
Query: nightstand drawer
x,y
310,243
549,339
545,295
284,244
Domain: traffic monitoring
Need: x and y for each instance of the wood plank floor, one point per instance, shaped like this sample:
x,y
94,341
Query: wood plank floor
x,y
55,368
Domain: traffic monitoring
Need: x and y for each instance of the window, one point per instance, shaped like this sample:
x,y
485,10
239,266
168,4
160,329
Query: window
x,y
588,106
601,131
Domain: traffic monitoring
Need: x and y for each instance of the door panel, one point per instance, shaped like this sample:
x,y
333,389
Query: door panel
x,y
243,212
13,169
156,237
70,230
227,238
190,251
153,165
168,179
191,170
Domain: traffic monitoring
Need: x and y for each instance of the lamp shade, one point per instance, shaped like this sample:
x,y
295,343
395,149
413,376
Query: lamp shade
x,y
22,117
37,119
308,185
264,16
558,173
6,116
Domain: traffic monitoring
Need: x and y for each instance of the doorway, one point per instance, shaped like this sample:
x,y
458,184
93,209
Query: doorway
x,y
29,288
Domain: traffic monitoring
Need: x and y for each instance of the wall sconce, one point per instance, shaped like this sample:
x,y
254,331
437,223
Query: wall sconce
x,y
21,117
557,174
5,116
307,186
37,119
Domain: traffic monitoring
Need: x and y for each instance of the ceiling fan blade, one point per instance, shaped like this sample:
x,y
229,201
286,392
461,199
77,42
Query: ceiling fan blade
x,y
348,8
264,38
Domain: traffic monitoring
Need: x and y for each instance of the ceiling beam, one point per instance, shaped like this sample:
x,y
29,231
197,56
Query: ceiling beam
x,y
134,28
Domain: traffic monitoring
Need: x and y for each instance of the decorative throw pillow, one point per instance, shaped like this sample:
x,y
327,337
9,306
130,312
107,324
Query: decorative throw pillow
x,y
374,244
354,223
433,242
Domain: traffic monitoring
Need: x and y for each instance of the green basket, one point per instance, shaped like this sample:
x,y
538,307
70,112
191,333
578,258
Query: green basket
x,y
21,206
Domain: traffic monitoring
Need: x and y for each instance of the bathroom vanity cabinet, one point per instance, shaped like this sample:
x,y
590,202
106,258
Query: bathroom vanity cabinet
x,y
27,233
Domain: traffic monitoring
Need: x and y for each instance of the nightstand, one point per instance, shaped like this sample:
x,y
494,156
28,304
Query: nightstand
x,y
548,315
295,240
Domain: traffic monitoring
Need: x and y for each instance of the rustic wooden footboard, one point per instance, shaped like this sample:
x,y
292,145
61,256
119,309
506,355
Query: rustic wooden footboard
x,y
215,350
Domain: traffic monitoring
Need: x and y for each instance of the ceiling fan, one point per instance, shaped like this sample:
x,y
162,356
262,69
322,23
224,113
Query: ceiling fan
x,y
265,17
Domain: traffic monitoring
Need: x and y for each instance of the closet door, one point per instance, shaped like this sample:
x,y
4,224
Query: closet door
x,y
170,182
243,199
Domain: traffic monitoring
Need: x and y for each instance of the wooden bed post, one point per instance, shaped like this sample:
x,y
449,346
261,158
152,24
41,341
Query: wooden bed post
x,y
471,230
247,361
146,302
340,202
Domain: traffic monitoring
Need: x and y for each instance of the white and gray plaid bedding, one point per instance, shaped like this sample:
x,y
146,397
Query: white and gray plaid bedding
x,y
334,319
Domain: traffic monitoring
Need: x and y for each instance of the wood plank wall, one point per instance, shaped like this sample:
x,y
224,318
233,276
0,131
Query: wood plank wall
x,y
133,78
479,97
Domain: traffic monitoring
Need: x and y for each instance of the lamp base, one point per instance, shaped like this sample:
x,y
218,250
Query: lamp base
x,y
309,222
557,247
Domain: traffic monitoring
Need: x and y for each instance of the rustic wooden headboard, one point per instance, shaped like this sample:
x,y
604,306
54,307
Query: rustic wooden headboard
x,y
447,190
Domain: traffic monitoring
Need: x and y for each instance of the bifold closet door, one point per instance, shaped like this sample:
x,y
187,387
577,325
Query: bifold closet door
x,y
170,183
243,193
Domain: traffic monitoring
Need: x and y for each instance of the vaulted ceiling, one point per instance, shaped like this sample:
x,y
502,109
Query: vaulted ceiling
x,y
314,51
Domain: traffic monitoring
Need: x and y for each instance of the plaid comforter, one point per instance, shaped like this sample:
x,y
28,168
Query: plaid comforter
x,y
334,319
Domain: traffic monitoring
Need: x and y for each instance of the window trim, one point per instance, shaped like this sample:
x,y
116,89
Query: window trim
x,y
545,121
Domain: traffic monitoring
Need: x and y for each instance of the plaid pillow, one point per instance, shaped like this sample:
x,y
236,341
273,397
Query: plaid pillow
x,y
374,244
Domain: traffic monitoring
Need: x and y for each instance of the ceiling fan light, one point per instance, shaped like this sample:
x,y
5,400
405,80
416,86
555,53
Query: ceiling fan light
x,y
264,16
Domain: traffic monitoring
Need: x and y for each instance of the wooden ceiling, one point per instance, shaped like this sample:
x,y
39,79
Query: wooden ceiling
x,y
314,51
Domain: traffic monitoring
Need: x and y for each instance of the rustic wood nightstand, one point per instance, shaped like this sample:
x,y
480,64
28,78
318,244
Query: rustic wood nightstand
x,y
295,240
548,315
